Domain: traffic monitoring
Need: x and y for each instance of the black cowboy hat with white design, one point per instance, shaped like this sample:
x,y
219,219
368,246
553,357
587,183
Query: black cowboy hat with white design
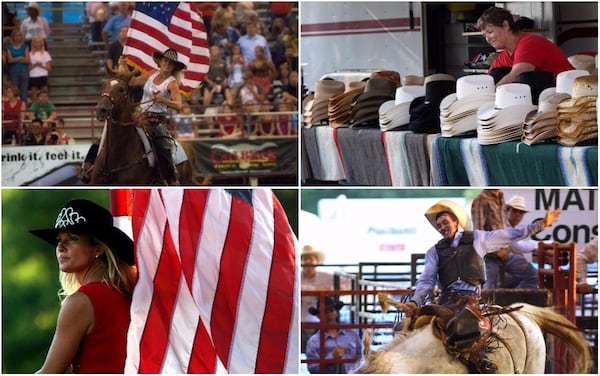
x,y
81,216
170,55
330,303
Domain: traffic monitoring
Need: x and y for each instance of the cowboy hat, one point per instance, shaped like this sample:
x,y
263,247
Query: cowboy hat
x,y
34,6
448,206
564,80
517,202
170,55
308,250
81,216
330,302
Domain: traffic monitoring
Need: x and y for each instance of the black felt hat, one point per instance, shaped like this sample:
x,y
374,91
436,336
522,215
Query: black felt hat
x,y
81,216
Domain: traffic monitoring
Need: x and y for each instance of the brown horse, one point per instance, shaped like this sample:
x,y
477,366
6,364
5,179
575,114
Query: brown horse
x,y
122,158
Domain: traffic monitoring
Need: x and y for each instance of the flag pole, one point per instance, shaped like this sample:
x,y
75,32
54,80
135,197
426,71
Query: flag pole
x,y
121,209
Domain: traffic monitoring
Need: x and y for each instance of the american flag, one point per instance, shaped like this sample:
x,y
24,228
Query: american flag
x,y
158,26
217,289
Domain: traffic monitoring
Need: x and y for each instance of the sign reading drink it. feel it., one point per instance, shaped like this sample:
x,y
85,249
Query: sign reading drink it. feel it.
x,y
24,165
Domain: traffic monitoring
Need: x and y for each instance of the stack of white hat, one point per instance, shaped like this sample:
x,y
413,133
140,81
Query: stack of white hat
x,y
502,120
458,111
542,124
394,114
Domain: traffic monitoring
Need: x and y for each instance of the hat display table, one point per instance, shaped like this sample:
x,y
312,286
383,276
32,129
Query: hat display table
x,y
370,157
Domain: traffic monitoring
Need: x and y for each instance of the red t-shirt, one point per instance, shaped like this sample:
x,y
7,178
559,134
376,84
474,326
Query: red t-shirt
x,y
535,50
104,349
11,115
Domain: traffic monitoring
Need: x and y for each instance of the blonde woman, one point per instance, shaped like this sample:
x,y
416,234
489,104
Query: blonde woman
x,y
97,275
39,67
161,92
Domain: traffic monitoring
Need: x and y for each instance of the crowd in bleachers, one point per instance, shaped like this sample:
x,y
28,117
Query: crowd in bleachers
x,y
251,88
26,65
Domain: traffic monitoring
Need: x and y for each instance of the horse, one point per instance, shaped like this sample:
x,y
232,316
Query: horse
x,y
518,345
122,158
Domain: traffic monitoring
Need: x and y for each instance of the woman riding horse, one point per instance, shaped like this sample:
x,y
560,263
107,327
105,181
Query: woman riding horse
x,y
161,91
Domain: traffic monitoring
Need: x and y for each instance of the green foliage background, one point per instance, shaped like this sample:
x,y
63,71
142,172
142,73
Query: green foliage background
x,y
30,284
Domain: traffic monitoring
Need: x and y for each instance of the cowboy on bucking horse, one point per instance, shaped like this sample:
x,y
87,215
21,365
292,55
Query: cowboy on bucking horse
x,y
457,262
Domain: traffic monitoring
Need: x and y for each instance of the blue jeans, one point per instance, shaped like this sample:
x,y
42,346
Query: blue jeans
x,y
518,273
20,78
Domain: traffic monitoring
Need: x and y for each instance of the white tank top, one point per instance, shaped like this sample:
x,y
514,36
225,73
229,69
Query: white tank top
x,y
149,89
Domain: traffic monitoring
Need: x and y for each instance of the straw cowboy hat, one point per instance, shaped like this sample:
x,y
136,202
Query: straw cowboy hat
x,y
170,55
395,114
577,116
34,6
448,206
308,250
340,105
390,75
81,216
541,124
517,202
583,62
330,302
316,111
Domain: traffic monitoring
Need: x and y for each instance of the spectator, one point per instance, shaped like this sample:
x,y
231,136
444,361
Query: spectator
x,y
184,122
488,213
110,32
97,13
34,24
252,99
284,124
235,69
115,49
263,70
340,343
251,40
224,36
290,91
39,66
17,61
35,135
275,40
588,255
291,56
10,20
283,73
519,273
214,98
207,11
281,9
13,116
228,123
44,110
64,138
216,69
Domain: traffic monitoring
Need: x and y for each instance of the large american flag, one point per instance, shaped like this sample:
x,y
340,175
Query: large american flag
x,y
158,26
217,289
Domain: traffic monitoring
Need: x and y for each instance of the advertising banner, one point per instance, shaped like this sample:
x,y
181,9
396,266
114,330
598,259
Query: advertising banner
x,y
248,157
43,165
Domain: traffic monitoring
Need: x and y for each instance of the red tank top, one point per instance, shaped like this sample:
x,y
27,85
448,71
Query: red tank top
x,y
104,349
11,114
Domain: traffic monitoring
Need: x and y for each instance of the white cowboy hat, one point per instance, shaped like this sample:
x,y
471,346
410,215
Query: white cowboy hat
x,y
308,250
510,98
517,202
394,114
448,206
583,62
471,92
564,80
